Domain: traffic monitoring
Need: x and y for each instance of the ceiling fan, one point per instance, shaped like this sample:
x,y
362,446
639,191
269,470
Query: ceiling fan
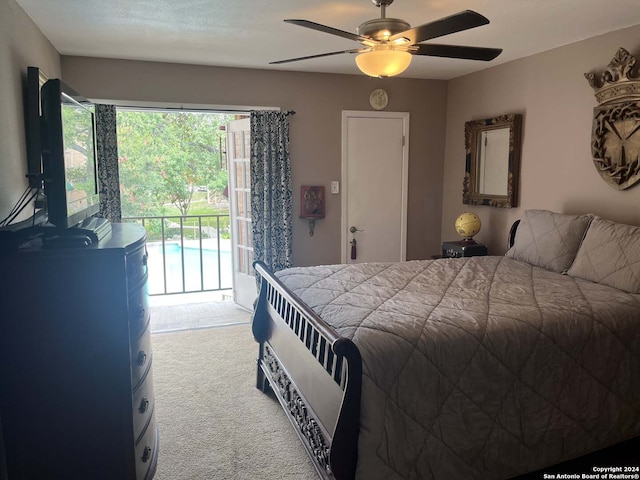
x,y
388,44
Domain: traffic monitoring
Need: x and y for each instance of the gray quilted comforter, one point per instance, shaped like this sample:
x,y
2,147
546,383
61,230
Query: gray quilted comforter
x,y
482,367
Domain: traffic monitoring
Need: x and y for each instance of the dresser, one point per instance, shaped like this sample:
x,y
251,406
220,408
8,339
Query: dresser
x,y
76,383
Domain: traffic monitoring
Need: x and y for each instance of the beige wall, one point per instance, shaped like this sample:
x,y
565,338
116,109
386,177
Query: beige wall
x,y
549,89
318,100
557,103
21,45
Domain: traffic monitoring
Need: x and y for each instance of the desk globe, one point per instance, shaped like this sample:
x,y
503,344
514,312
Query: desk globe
x,y
467,225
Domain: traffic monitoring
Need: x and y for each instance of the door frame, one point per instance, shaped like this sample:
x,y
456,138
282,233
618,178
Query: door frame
x,y
344,234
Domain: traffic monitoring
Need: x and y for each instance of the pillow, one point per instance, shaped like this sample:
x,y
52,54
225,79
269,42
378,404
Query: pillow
x,y
549,240
610,255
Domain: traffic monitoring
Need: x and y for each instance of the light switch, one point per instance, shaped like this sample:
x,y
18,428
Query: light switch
x,y
335,187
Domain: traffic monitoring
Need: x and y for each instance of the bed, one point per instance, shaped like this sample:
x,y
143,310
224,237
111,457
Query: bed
x,y
469,368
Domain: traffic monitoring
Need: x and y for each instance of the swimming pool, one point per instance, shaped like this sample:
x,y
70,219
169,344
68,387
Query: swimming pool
x,y
194,279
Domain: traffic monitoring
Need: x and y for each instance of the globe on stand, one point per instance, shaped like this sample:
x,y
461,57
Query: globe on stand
x,y
467,225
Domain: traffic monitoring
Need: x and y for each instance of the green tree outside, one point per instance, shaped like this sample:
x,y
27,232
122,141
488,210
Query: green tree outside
x,y
171,162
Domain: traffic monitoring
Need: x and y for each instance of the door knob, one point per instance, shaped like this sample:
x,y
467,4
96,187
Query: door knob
x,y
353,229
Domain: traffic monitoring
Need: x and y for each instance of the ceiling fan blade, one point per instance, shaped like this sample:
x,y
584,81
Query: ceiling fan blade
x,y
333,31
458,51
315,56
453,23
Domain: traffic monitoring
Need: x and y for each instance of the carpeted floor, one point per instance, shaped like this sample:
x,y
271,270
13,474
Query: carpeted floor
x,y
213,422
186,316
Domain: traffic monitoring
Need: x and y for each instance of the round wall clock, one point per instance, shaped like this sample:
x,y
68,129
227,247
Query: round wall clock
x,y
378,99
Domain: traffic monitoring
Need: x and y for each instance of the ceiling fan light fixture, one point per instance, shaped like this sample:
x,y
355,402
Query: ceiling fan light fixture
x,y
388,44
383,62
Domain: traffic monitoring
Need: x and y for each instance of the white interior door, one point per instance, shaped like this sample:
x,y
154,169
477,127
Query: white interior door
x,y
375,159
238,157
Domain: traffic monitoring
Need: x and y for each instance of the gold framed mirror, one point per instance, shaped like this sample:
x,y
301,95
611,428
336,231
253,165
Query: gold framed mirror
x,y
492,166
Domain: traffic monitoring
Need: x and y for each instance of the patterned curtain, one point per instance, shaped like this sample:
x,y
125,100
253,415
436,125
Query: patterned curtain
x,y
271,188
108,176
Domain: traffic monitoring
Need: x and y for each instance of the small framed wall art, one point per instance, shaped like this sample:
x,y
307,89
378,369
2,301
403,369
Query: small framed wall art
x,y
312,202
311,205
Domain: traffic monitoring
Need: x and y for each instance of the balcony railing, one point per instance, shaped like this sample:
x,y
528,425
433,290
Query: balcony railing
x,y
187,254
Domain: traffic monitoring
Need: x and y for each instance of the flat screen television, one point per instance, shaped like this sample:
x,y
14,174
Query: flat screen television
x,y
32,126
69,157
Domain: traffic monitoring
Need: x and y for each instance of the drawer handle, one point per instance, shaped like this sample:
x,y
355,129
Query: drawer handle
x,y
146,454
144,404
142,357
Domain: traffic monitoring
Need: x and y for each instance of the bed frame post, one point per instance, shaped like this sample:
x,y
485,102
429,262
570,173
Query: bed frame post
x,y
259,327
344,449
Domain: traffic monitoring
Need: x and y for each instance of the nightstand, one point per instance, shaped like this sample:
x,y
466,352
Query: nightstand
x,y
463,248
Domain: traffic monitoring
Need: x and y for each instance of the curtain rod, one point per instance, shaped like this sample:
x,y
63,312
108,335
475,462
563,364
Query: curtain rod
x,y
170,106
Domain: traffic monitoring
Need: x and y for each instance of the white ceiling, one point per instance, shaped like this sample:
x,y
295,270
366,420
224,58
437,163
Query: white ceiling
x,y
251,33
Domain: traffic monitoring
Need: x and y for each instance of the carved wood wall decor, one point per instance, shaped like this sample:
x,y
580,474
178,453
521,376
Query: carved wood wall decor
x,y
615,138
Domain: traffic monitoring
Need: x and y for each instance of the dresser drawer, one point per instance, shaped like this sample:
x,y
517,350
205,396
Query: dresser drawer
x,y
138,311
136,265
143,403
140,357
147,452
